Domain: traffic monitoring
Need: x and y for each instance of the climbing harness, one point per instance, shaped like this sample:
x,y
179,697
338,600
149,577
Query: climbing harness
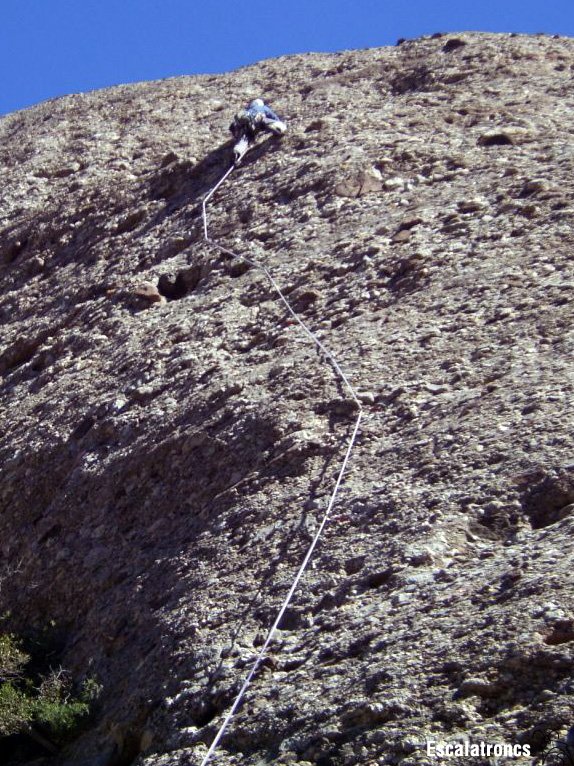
x,y
240,149
341,375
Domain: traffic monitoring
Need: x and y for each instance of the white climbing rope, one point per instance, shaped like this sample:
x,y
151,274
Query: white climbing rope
x,y
327,354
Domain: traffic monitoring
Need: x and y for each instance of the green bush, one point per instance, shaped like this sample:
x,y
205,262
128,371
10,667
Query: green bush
x,y
41,705
11,657
15,709
59,719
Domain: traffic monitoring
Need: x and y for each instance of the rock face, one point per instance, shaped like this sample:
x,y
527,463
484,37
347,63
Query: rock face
x,y
169,438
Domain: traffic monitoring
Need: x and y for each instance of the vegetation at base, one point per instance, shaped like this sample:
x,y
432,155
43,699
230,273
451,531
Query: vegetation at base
x,y
39,705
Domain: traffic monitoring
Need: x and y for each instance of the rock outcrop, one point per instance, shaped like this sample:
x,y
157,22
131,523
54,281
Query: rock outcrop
x,y
169,438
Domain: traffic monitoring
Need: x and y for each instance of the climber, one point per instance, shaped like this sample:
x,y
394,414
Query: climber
x,y
256,118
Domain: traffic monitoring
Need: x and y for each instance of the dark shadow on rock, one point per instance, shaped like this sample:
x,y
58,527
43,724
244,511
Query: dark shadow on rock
x,y
179,184
182,184
101,550
299,537
550,498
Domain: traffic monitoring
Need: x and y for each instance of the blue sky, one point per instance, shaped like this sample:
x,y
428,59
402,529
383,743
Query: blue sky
x,y
52,47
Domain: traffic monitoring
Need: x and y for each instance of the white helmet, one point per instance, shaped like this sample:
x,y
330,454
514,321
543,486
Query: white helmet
x,y
257,102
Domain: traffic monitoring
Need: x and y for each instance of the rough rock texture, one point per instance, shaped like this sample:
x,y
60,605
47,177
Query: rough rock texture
x,y
169,438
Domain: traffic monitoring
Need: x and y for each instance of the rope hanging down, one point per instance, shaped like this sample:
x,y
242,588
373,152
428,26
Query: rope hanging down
x,y
327,354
